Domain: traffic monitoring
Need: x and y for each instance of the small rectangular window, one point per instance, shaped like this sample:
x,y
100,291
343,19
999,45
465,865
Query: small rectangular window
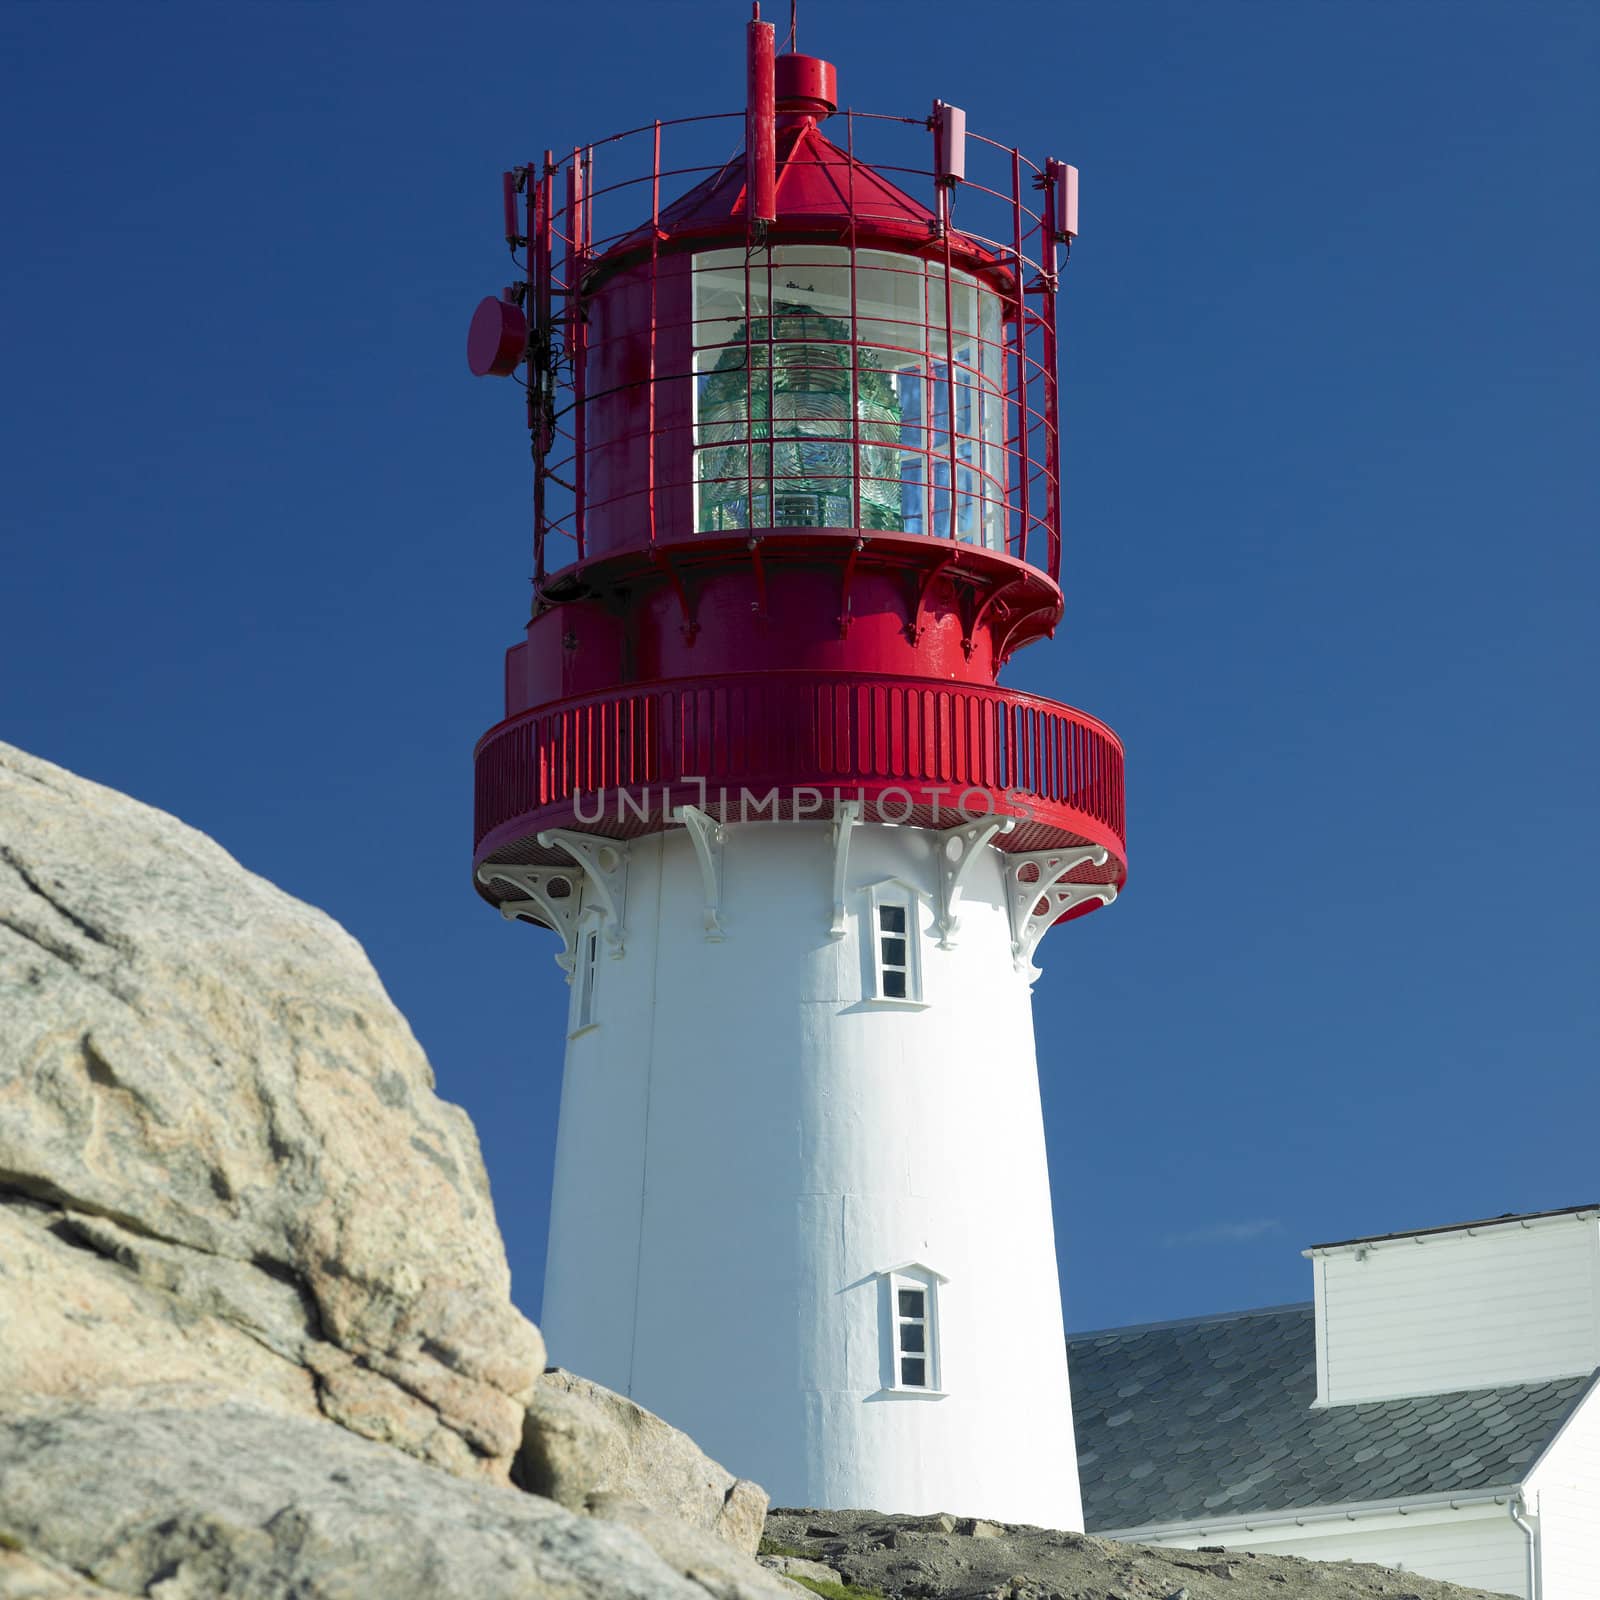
x,y
915,1354
893,952
588,963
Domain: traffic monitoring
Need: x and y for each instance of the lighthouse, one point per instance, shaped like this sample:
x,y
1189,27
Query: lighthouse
x,y
796,503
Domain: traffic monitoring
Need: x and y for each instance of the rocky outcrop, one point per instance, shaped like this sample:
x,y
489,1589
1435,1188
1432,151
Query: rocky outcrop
x,y
954,1558
588,1448
233,1214
204,1087
242,1504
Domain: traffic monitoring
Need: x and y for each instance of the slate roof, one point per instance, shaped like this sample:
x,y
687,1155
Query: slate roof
x,y
819,185
1212,1418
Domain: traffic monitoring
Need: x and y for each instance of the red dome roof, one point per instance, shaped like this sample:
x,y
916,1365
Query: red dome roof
x,y
819,188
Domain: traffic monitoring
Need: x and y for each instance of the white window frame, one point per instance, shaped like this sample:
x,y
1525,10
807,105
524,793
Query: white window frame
x,y
585,969
913,1276
895,894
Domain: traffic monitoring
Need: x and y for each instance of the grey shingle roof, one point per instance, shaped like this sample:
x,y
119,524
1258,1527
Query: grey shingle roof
x,y
1182,1421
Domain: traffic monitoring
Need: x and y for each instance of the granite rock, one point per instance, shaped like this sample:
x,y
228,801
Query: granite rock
x,y
585,1446
801,1567
245,1250
923,1557
254,1505
223,1168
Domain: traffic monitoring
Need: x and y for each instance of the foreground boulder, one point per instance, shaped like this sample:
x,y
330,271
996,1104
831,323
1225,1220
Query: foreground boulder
x,y
590,1449
204,1085
245,1505
252,1295
956,1558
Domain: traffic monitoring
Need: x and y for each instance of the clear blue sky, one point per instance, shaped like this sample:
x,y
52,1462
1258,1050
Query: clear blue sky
x,y
1332,571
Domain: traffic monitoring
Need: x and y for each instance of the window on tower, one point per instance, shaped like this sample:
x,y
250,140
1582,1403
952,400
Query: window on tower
x,y
913,1353
911,1323
892,924
585,969
894,960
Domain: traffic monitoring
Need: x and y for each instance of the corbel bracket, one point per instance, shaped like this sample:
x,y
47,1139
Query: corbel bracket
x,y
846,616
547,893
920,590
970,635
707,835
759,604
846,814
688,606
605,870
1038,897
1004,649
958,849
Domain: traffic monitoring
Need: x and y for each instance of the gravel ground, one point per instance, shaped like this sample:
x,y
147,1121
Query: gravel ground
x,y
951,1558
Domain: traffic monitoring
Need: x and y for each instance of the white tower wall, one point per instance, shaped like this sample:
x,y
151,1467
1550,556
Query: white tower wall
x,y
749,1141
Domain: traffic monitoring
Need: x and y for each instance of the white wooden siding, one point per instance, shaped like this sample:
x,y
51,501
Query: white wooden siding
x,y
1479,1547
1458,1311
1565,1487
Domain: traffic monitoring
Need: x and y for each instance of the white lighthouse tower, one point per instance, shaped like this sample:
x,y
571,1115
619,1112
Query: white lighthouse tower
x,y
795,438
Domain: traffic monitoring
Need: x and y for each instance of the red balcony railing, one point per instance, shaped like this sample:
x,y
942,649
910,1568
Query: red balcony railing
x,y
917,750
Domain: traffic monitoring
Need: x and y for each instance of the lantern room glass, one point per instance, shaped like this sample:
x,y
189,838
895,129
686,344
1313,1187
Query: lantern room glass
x,y
824,394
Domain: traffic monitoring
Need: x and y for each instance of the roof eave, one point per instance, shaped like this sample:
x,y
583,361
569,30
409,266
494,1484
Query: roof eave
x,y
1521,1220
1340,1511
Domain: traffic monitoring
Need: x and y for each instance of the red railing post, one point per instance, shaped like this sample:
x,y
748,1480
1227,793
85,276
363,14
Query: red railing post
x,y
650,387
577,241
1048,224
1023,429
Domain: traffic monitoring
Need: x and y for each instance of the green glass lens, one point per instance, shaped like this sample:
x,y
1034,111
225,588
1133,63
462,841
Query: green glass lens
x,y
776,434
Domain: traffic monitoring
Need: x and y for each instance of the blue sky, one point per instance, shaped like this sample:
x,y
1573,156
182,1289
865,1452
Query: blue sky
x,y
1331,558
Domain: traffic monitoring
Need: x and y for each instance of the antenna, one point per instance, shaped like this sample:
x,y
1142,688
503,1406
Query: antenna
x,y
760,128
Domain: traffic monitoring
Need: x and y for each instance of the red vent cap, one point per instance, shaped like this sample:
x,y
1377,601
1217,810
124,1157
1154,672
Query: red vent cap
x,y
806,84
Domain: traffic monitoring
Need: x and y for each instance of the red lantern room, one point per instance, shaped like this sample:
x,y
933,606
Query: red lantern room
x,y
797,495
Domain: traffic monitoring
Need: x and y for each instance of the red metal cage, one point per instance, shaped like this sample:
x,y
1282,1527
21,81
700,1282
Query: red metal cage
x,y
615,287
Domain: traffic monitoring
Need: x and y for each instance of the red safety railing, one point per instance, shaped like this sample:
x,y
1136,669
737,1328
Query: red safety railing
x,y
994,482
1056,767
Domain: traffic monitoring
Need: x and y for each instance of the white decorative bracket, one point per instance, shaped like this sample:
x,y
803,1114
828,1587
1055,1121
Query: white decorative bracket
x,y
958,849
549,894
1038,897
846,814
707,836
605,869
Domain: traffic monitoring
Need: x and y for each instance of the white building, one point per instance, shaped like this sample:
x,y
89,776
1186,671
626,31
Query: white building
x,y
1433,1409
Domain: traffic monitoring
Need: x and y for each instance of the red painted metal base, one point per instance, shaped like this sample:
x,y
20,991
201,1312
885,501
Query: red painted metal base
x,y
819,599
